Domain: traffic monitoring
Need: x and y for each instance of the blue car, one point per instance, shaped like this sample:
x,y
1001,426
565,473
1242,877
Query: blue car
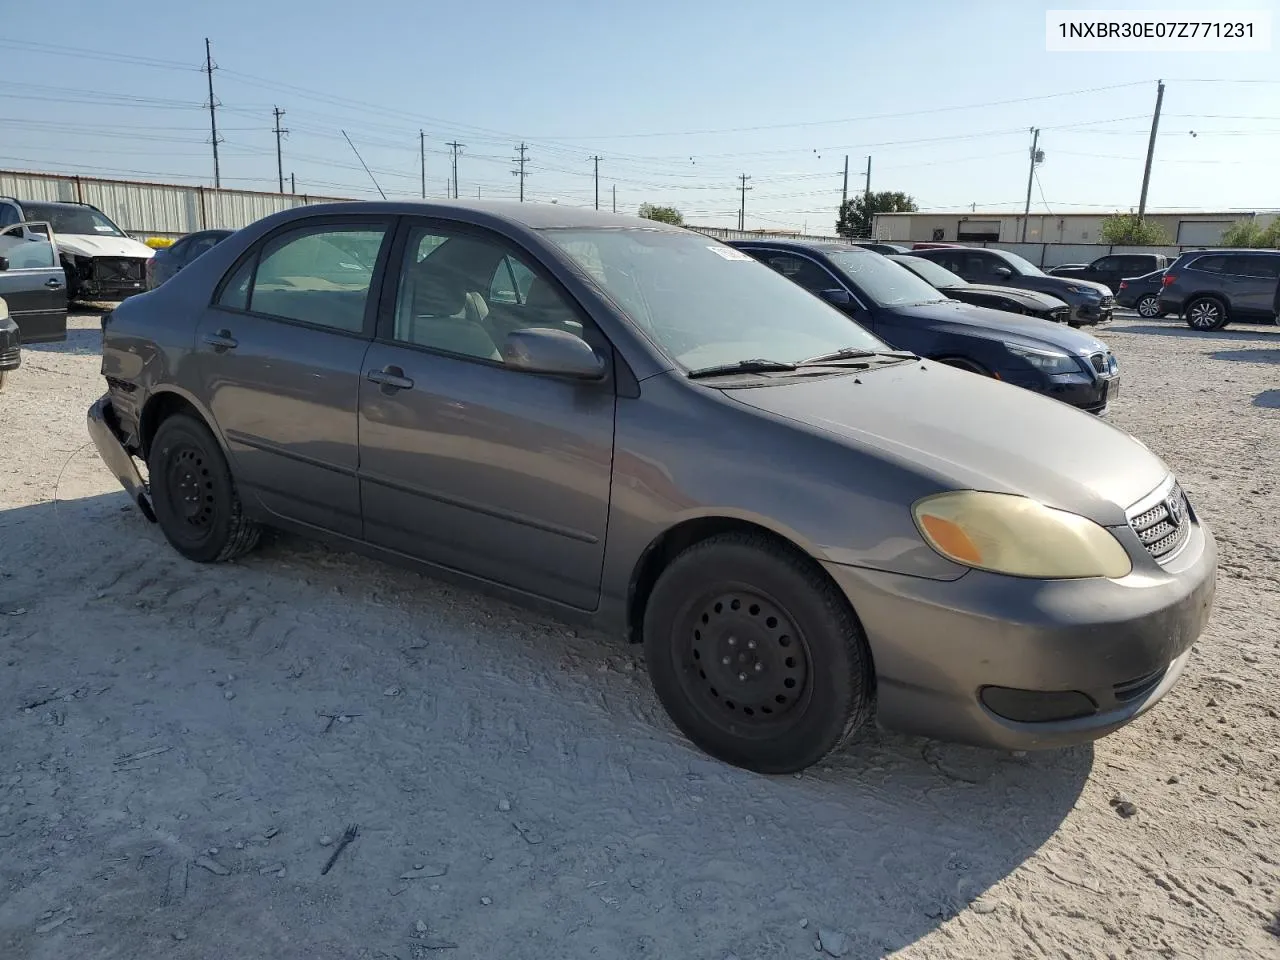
x,y
901,308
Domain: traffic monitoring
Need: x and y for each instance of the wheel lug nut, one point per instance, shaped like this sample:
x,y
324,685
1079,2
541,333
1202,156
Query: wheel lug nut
x,y
742,676
733,641
725,661
751,644
759,667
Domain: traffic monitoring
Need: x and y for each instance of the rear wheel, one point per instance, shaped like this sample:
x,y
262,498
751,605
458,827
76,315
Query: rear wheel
x,y
194,495
1206,313
1149,306
755,655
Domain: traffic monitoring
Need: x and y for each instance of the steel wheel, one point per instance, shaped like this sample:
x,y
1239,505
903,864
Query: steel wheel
x,y
744,663
188,488
1149,306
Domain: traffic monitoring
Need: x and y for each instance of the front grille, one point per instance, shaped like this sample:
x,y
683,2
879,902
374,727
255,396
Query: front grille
x,y
1099,361
1139,686
1060,314
1164,527
114,269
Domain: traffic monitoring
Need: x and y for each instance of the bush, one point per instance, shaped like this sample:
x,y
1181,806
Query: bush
x,y
1130,230
1247,233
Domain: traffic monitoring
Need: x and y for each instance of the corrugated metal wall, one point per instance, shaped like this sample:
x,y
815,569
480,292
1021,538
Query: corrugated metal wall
x,y
154,209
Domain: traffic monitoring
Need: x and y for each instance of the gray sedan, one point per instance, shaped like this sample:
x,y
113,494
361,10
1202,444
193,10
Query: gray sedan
x,y
645,428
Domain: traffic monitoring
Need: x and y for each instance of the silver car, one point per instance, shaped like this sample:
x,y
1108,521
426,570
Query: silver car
x,y
639,426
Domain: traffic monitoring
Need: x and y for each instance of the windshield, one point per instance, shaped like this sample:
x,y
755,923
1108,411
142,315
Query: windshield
x,y
705,303
1024,267
72,219
930,272
888,284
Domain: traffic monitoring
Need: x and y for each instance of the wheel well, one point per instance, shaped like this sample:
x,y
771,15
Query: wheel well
x,y
160,408
659,554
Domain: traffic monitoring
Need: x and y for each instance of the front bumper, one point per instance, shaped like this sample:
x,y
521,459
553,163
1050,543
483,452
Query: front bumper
x,y
104,430
1116,647
1096,311
10,345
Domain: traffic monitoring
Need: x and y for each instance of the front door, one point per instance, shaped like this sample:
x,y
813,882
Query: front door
x,y
34,285
466,463
278,359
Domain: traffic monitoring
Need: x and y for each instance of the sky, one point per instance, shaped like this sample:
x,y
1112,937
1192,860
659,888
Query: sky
x,y
676,99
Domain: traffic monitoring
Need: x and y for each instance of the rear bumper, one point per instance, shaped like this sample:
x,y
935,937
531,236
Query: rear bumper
x,y
104,430
1063,661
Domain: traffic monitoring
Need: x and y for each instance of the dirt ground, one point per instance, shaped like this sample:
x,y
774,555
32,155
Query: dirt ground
x,y
182,746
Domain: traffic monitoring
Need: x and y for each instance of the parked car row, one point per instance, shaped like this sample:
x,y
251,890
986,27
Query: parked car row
x,y
808,527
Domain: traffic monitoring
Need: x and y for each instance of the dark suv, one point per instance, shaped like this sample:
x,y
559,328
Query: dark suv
x,y
1113,268
1210,288
1090,302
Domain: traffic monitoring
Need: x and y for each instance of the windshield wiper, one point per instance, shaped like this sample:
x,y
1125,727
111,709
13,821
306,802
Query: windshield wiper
x,y
853,353
742,366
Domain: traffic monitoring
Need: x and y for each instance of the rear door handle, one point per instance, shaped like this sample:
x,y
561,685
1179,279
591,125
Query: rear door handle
x,y
53,284
390,378
222,340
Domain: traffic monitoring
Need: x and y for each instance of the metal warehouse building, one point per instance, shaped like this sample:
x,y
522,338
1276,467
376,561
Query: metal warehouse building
x,y
1183,229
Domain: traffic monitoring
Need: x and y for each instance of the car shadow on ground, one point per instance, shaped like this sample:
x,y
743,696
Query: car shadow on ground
x,y
1268,399
1243,331
81,340
646,838
1262,355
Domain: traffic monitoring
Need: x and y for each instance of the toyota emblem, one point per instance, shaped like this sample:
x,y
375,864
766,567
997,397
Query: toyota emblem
x,y
1174,506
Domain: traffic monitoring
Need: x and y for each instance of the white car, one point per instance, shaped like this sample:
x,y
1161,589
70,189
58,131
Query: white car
x,y
101,261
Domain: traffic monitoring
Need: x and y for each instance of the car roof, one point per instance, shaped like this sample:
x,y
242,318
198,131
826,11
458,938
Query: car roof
x,y
820,246
534,216
1217,250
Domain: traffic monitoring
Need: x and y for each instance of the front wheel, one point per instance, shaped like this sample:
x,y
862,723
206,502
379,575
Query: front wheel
x,y
1149,307
756,656
1205,314
194,495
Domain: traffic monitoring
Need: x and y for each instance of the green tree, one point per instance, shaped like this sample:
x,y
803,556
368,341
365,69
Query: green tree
x,y
651,211
856,216
1247,233
1128,229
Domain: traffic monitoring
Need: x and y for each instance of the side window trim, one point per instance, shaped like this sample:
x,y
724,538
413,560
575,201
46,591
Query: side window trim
x,y
389,223
836,282
384,328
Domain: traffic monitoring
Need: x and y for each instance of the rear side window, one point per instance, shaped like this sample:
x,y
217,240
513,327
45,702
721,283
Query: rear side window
x,y
1208,264
319,275
1253,266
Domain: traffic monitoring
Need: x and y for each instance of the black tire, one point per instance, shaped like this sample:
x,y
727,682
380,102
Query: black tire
x,y
799,680
1148,307
73,284
1206,314
4,375
194,495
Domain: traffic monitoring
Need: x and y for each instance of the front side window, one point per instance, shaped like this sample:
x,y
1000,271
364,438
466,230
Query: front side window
x,y
1106,263
799,270
884,282
705,303
319,275
1020,265
1209,264
463,294
26,253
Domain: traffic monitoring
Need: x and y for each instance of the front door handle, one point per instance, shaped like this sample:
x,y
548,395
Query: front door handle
x,y
222,340
390,378
53,284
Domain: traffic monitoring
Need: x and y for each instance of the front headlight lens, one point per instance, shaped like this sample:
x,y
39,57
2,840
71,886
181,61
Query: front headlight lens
x,y
1018,536
1047,361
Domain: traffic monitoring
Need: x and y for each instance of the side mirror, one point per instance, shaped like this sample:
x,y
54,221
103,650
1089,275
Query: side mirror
x,y
1003,273
837,297
4,263
555,352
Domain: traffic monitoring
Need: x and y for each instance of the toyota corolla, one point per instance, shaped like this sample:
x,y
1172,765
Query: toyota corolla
x,y
634,423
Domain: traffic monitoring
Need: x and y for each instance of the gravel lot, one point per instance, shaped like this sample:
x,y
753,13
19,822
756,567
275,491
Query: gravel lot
x,y
178,744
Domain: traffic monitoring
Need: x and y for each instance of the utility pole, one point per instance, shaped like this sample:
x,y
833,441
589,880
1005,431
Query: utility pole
x,y
1151,150
742,210
279,132
456,146
844,192
866,192
293,183
213,117
1031,173
519,171
422,160
597,162
615,198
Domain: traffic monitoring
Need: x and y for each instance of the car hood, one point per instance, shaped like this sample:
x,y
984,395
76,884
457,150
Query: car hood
x,y
1041,301
85,245
1002,325
973,433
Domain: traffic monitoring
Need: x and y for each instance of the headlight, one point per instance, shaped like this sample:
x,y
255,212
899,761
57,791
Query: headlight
x,y
1046,361
1087,291
1018,536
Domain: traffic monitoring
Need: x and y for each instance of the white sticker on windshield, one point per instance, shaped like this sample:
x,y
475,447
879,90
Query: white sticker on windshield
x,y
102,228
729,253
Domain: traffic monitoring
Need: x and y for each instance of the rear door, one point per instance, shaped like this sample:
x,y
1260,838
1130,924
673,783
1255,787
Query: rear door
x,y
34,286
1252,282
278,357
